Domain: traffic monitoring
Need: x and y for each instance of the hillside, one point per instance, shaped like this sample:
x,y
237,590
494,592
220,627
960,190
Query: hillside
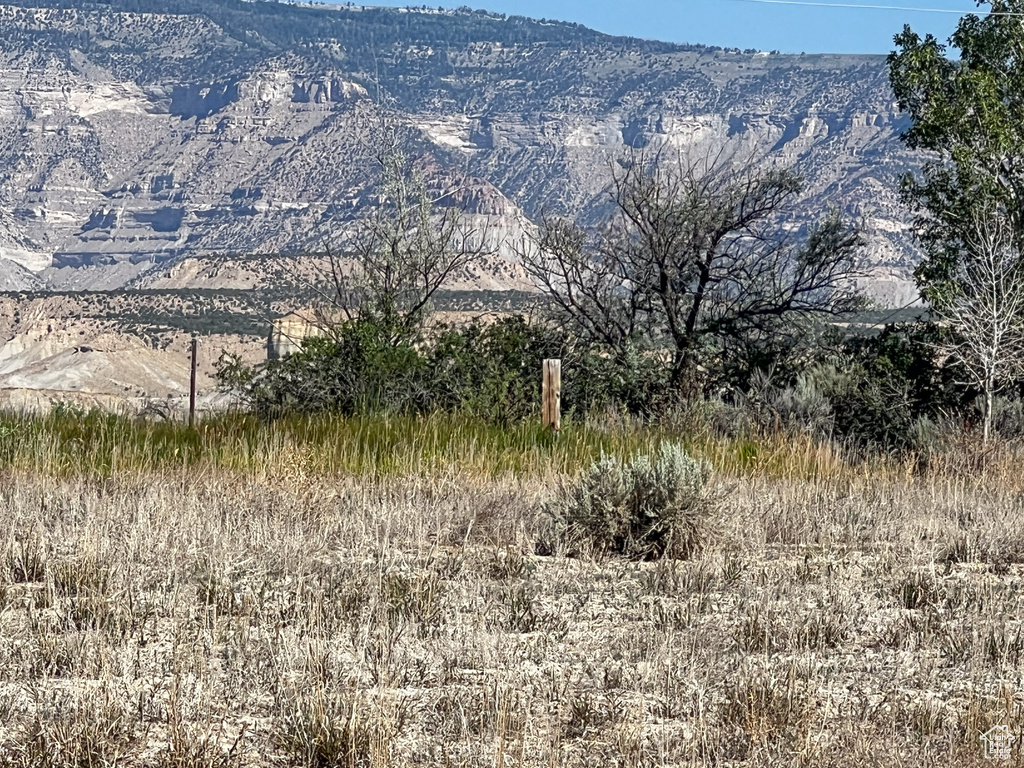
x,y
136,133
123,349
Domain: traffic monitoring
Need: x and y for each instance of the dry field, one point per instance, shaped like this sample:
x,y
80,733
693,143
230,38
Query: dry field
x,y
211,617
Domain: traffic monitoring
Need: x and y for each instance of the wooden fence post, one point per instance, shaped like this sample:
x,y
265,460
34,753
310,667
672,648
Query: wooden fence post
x,y
551,395
192,384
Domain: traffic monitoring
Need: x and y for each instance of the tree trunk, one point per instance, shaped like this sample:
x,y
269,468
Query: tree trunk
x,y
987,427
685,377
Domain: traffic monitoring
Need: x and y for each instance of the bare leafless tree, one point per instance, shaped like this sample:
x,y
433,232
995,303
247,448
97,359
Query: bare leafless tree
x,y
409,245
984,304
590,282
694,257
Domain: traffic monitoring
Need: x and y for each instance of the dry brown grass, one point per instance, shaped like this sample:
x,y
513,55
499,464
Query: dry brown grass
x,y
366,593
842,616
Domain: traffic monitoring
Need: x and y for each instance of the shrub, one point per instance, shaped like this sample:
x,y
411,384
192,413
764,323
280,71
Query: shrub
x,y
491,371
883,392
1008,417
804,406
887,387
488,370
635,381
651,507
351,372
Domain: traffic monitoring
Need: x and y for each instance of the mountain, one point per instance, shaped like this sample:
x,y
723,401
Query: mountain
x,y
140,135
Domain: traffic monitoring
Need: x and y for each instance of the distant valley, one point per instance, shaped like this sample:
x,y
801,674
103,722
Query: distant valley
x,y
148,145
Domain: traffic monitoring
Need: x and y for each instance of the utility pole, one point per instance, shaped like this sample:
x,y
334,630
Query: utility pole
x,y
192,384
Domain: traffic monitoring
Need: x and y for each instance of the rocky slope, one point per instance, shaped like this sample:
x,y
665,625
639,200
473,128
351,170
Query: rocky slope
x,y
137,133
118,350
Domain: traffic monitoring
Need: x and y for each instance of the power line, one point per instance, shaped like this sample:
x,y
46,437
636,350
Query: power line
x,y
895,312
865,6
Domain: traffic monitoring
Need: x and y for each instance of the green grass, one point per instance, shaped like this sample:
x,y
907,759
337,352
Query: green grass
x,y
72,443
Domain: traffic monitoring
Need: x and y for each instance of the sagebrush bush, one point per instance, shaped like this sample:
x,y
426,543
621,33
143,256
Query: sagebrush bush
x,y
650,507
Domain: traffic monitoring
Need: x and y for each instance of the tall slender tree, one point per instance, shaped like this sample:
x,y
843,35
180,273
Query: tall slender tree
x,y
985,304
967,116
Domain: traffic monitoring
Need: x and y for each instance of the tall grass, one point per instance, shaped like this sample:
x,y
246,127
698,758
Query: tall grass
x,y
68,443
204,619
220,602
104,444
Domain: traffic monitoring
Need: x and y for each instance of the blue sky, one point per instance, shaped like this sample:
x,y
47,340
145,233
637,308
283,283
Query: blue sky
x,y
738,23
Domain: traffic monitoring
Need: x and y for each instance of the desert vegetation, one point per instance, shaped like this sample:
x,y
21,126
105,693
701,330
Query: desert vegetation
x,y
387,591
764,535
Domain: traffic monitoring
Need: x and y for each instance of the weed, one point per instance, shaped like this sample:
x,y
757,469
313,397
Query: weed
x,y
81,576
26,561
956,647
669,617
589,715
961,549
194,745
450,715
324,730
523,614
663,580
76,732
827,627
927,717
759,631
918,591
509,563
56,655
216,591
767,710
83,591
732,569
418,599
1004,646
338,729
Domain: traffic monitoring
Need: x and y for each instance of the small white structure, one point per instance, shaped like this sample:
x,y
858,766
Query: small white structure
x,y
288,332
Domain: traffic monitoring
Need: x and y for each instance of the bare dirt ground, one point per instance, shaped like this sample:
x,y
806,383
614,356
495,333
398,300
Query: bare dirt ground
x,y
214,620
72,348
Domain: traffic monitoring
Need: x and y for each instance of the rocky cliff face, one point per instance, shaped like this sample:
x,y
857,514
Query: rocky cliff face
x,y
136,133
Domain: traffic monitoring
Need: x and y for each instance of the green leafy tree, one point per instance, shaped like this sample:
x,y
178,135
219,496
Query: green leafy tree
x,y
968,116
411,244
